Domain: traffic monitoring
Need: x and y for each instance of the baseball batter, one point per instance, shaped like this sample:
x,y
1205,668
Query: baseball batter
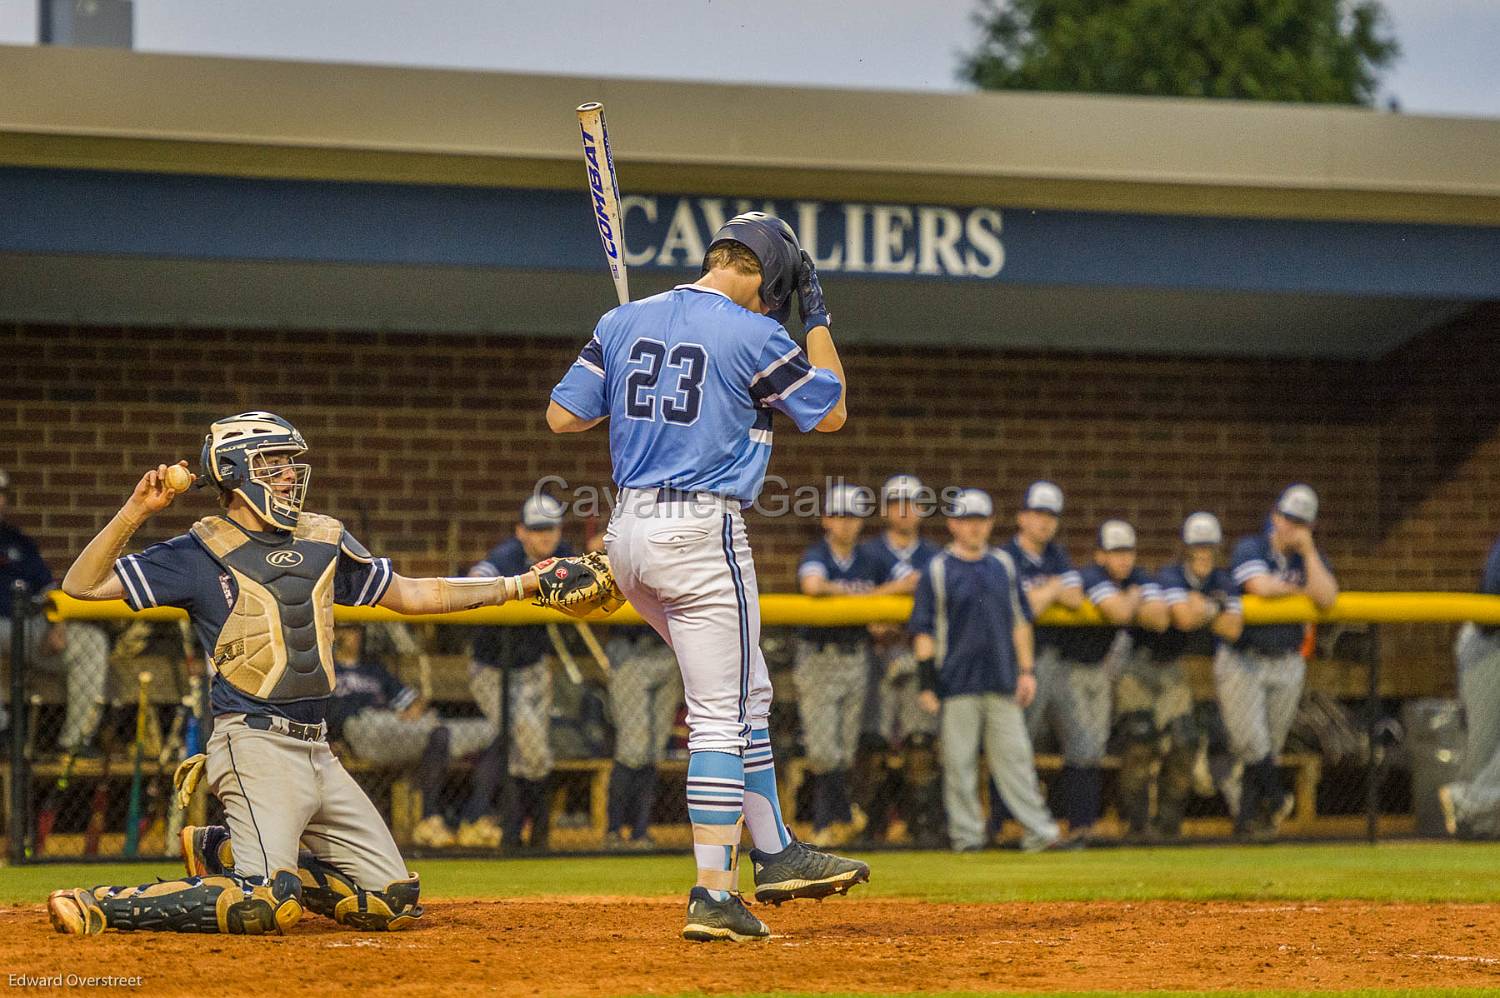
x,y
689,380
259,582
1259,677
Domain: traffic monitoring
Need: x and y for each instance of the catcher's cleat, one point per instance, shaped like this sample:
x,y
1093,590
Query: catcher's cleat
x,y
206,850
74,912
709,920
800,871
433,833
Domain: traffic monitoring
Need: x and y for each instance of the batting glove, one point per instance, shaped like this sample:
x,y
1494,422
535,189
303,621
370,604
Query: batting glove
x,y
810,303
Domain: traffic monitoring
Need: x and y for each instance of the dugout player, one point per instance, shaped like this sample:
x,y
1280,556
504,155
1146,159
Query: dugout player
x,y
1471,806
832,666
689,380
1259,677
1153,702
259,582
527,656
972,636
892,715
386,722
645,690
1130,600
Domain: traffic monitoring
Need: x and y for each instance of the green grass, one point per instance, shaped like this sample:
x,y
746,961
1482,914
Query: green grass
x,y
1391,872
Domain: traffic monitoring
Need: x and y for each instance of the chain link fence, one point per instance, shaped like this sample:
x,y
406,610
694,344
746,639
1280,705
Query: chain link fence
x,y
584,749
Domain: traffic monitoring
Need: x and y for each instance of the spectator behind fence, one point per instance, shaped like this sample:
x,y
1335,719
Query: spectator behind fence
x,y
1129,600
1259,677
645,690
526,654
832,667
1153,702
386,722
1471,806
972,637
75,649
892,717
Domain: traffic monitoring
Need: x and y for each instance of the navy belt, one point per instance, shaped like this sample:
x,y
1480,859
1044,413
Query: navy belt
x,y
307,732
665,494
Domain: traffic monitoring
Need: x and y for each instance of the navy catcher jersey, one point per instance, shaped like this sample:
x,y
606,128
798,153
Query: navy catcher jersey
x,y
20,559
1490,582
1054,561
1089,645
972,620
1176,581
180,572
1254,556
511,647
860,572
688,380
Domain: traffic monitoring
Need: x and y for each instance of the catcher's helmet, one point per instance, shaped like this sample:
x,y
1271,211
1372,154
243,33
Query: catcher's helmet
x,y
776,247
234,459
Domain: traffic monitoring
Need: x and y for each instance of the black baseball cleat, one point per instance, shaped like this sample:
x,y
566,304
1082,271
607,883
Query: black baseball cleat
x,y
709,920
206,850
801,871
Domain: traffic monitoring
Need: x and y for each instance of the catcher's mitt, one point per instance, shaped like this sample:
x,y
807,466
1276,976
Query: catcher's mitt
x,y
577,585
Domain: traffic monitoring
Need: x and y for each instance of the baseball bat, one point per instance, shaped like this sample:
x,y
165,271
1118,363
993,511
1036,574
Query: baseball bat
x,y
599,162
46,815
98,808
133,813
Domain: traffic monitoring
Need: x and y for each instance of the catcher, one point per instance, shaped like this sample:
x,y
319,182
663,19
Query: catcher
x,y
259,581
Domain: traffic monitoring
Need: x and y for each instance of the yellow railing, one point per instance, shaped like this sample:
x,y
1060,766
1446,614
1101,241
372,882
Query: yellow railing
x,y
777,609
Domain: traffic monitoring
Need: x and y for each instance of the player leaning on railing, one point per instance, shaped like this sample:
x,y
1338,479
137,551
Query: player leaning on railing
x,y
259,581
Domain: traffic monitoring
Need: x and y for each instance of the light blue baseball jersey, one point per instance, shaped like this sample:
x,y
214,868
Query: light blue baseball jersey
x,y
688,380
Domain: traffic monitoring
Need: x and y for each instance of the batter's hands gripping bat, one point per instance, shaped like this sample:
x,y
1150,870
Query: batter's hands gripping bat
x,y
605,191
133,813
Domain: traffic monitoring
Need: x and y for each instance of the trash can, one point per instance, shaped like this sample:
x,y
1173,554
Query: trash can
x,y
1435,744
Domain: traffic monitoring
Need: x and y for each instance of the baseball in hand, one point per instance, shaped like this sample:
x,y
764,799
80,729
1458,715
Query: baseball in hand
x,y
178,478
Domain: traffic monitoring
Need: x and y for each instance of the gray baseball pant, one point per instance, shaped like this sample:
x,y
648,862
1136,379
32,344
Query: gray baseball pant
x,y
385,738
645,689
84,661
531,755
277,790
1476,795
831,686
1258,697
997,724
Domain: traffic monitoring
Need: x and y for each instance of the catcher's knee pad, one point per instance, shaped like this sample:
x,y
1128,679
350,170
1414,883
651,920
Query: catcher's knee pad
x,y
330,892
225,904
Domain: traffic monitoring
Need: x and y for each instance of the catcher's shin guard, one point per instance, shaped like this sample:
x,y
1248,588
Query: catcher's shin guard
x,y
329,892
224,904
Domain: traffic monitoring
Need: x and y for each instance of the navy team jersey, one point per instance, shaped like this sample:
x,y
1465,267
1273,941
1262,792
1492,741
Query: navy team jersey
x,y
981,604
361,687
20,559
1176,582
688,380
897,563
181,573
860,572
511,647
1489,583
1089,645
1054,561
1253,556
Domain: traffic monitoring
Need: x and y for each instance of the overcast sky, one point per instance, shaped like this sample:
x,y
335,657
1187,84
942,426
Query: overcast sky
x,y
1449,66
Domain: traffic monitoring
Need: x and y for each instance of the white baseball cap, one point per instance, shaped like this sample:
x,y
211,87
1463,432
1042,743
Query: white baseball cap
x,y
1116,535
1202,528
848,500
4,480
541,512
1044,496
1299,502
901,487
971,503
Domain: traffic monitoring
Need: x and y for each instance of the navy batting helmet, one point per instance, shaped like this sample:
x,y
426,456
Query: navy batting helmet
x,y
235,458
776,247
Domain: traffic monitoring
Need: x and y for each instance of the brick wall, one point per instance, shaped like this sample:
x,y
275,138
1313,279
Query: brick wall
x,y
427,444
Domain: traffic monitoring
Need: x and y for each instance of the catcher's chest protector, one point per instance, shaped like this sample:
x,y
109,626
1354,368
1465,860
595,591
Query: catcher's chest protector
x,y
278,641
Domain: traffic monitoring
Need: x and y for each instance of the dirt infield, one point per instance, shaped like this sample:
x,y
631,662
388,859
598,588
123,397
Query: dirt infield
x,y
610,946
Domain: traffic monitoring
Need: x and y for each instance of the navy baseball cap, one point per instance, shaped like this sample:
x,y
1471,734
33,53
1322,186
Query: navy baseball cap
x,y
971,504
1045,497
541,512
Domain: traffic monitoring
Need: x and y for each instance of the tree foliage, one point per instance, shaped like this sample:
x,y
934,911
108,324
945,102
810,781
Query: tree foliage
x,y
1320,51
